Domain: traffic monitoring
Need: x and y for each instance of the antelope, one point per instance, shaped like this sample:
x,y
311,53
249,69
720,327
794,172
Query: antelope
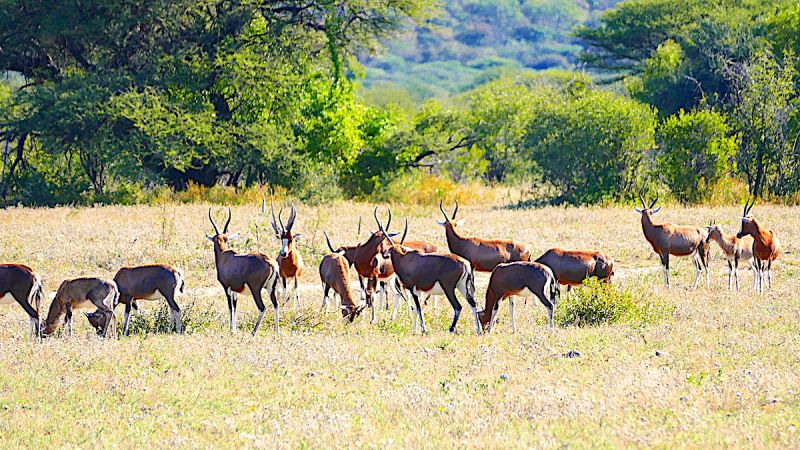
x,y
150,282
335,273
679,240
483,254
572,267
21,284
434,274
736,250
363,258
290,263
81,293
243,273
766,247
524,279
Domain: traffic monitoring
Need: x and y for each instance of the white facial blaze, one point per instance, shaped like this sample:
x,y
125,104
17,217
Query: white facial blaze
x,y
284,247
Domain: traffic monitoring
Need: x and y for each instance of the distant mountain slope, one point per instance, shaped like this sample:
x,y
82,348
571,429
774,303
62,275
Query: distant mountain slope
x,y
469,40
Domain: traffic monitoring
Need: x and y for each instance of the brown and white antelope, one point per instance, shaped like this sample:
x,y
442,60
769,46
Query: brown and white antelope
x,y
483,254
434,274
573,267
290,263
678,240
150,282
19,283
334,272
766,247
522,279
82,293
243,274
736,251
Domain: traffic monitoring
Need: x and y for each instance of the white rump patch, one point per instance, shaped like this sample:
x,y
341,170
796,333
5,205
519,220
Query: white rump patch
x,y
7,299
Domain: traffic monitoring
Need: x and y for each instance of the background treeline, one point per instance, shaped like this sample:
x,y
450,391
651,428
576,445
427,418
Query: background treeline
x,y
118,101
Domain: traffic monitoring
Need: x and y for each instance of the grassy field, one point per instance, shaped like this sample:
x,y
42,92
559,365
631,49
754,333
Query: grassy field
x,y
722,370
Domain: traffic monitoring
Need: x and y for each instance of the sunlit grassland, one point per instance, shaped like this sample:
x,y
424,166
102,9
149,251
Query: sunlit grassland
x,y
727,373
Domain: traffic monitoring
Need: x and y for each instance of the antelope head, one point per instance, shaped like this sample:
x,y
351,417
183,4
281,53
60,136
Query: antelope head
x,y
284,232
220,239
397,247
714,231
749,224
452,220
381,238
647,210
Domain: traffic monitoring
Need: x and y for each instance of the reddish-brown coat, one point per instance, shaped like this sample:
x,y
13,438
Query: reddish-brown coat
x,y
572,267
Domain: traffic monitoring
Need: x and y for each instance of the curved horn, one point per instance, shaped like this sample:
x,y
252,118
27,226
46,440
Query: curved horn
x,y
641,197
358,232
749,205
654,202
292,216
375,214
405,231
213,224
389,222
446,219
328,240
227,222
455,211
274,220
280,219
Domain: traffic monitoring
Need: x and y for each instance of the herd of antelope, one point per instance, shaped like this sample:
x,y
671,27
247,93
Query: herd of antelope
x,y
418,268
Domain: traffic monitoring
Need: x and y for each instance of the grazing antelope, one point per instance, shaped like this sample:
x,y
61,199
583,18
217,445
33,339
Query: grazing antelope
x,y
335,273
81,293
21,284
150,282
482,254
434,274
523,279
243,273
736,250
572,267
679,240
766,247
290,263
363,258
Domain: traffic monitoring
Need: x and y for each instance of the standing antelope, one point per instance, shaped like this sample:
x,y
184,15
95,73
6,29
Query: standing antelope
x,y
736,250
150,282
524,279
21,284
766,247
81,293
434,274
482,254
572,267
243,273
290,263
679,240
335,273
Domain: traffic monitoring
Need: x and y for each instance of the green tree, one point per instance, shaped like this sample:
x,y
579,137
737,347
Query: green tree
x,y
695,150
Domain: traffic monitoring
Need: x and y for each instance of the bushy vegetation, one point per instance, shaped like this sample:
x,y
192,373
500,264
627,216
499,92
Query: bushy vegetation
x,y
688,99
599,303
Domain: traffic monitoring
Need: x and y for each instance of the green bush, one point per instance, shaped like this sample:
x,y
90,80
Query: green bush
x,y
157,320
599,303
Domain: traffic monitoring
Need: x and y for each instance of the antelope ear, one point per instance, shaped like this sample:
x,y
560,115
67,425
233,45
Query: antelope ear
x,y
656,210
441,223
459,222
746,219
638,210
297,236
234,236
391,235
210,238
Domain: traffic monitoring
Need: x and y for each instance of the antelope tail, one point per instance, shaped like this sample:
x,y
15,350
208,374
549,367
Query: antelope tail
x,y
36,295
181,282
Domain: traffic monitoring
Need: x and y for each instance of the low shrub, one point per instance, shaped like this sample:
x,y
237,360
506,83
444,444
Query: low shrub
x,y
193,320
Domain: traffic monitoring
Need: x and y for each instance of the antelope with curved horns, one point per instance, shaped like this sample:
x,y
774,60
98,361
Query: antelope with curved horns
x,y
149,282
290,263
483,254
678,240
19,283
363,258
573,267
243,273
82,293
766,247
524,279
736,250
335,273
434,274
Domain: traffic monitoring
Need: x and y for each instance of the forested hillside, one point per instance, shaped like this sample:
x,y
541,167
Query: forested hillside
x,y
466,42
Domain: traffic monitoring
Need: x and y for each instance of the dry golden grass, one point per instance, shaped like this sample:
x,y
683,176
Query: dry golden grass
x,y
727,375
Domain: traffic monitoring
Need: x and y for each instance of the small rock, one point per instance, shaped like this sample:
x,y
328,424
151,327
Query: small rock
x,y
573,354
770,401
504,377
661,353
311,374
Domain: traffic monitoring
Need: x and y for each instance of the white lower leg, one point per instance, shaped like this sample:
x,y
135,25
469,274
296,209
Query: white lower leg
x,y
511,304
477,320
